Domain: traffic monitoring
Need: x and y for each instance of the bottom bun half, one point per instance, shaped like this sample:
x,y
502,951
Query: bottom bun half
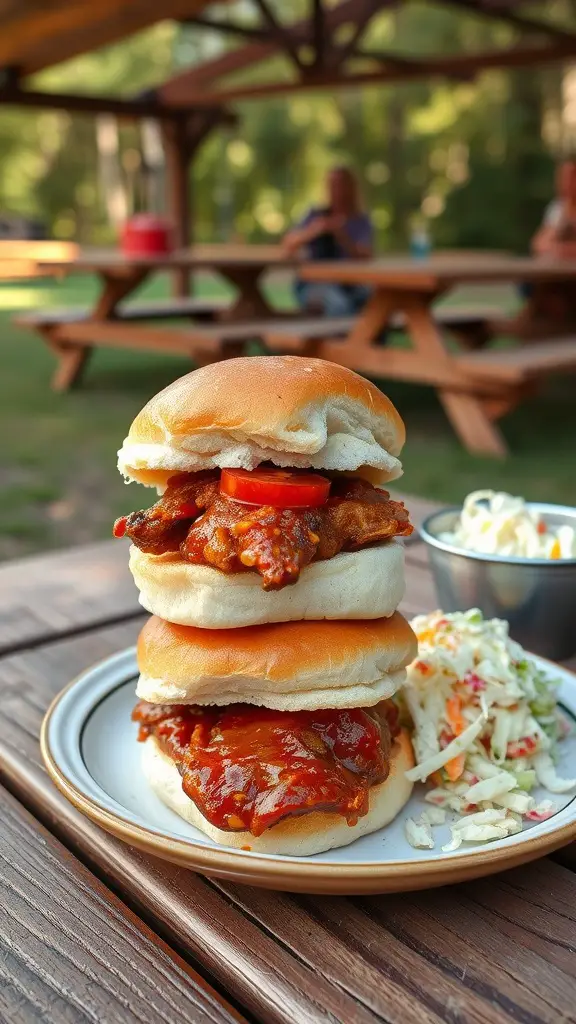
x,y
300,836
365,584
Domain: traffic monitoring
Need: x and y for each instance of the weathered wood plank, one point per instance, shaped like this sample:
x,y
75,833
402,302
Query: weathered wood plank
x,y
503,924
160,309
71,951
524,362
273,984
58,593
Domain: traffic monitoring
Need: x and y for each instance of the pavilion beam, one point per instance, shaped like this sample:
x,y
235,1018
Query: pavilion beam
x,y
282,34
363,16
319,33
178,199
231,28
42,33
502,12
12,95
175,88
320,36
182,139
465,65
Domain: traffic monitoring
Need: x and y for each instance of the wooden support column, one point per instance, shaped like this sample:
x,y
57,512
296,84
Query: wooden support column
x,y
182,139
178,199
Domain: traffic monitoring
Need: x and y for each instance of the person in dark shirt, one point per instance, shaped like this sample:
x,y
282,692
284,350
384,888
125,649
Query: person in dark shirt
x,y
549,308
557,235
341,230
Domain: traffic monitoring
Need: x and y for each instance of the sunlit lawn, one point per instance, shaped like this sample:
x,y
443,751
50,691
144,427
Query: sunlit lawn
x,y
58,480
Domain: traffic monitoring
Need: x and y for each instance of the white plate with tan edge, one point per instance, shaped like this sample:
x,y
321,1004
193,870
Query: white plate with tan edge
x,y
90,750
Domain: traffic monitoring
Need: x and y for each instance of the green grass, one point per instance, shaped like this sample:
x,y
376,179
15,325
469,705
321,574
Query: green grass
x,y
58,481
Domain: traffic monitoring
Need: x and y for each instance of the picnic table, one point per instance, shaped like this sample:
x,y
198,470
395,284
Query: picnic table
x,y
216,329
475,387
72,333
92,929
22,258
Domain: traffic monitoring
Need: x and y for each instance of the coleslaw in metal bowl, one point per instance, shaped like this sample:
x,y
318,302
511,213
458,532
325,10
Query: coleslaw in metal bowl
x,y
496,523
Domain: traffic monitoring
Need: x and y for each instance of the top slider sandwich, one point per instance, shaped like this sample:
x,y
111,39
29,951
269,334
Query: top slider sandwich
x,y
271,509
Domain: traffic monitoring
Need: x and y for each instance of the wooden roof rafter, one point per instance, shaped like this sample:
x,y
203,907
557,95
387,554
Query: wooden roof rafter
x,y
304,32
12,94
327,68
36,34
41,32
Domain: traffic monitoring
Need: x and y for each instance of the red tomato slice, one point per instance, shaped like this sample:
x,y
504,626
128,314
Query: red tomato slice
x,y
280,488
119,528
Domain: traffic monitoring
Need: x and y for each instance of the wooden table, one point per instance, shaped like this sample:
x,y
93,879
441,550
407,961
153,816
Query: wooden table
x,y
92,930
475,389
24,259
71,336
120,275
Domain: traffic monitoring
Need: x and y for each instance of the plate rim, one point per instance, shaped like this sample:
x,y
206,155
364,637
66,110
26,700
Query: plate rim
x,y
298,874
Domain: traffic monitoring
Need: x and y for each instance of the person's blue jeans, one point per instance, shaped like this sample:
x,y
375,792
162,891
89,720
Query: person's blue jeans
x,y
333,299
525,290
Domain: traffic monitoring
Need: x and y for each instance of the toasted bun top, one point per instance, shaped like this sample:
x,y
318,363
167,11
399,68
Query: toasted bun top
x,y
279,665
289,410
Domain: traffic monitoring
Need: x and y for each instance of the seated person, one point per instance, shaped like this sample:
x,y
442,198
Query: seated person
x,y
551,305
341,230
557,235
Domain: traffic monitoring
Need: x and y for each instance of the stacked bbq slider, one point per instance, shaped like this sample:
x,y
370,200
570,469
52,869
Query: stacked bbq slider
x,y
272,568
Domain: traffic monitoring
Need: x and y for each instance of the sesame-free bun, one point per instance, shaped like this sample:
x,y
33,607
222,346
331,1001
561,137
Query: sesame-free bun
x,y
287,666
365,584
297,836
288,410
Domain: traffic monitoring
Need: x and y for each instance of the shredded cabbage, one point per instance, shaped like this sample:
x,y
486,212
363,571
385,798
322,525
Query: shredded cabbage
x,y
495,523
433,816
419,834
485,727
546,775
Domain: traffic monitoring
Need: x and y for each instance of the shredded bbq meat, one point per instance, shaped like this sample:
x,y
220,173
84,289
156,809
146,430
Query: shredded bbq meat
x,y
278,543
210,528
247,768
164,526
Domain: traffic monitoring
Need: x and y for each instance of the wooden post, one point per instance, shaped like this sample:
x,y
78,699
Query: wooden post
x,y
178,198
182,139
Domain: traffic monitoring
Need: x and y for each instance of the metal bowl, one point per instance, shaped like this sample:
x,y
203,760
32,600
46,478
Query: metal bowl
x,y
537,596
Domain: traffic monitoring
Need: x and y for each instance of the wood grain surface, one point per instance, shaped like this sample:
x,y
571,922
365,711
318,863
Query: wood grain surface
x,y
72,952
197,256
439,272
61,593
493,951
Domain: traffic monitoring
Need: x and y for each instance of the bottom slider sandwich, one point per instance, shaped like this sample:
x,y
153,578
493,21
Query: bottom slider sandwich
x,y
282,739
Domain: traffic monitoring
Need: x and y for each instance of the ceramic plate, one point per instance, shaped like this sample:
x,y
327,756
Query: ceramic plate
x,y
90,750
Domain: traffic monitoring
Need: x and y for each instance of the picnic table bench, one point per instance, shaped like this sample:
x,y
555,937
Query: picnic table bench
x,y
73,332
475,389
148,309
476,385
92,929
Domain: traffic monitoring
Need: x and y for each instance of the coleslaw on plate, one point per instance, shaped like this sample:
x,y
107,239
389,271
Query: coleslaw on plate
x,y
495,523
485,728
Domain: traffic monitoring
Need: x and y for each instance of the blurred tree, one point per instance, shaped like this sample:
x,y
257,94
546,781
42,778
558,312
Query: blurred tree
x,y
475,157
